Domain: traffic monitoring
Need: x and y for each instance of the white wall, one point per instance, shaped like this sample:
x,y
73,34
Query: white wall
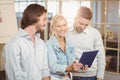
x,y
8,26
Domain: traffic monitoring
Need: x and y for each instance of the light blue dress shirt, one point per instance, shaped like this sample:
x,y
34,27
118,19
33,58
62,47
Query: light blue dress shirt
x,y
57,59
25,60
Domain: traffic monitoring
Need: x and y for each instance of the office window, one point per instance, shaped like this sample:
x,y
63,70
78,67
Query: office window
x,y
69,9
20,5
53,8
106,19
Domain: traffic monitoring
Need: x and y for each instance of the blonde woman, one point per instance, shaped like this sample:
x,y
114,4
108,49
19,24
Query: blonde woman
x,y
60,50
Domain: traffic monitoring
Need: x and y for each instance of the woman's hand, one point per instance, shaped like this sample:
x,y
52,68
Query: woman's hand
x,y
78,66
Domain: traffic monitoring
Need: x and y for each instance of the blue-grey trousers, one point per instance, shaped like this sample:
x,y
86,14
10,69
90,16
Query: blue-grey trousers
x,y
84,78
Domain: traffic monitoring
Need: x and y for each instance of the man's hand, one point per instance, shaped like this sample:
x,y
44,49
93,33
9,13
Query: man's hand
x,y
85,67
46,78
76,67
99,79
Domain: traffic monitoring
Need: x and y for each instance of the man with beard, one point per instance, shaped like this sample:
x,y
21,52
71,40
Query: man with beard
x,y
25,54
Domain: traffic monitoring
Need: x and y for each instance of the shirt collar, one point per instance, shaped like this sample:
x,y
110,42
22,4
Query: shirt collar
x,y
55,41
86,30
23,33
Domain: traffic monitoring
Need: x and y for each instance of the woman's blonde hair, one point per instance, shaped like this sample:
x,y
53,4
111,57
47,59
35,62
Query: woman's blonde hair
x,y
54,23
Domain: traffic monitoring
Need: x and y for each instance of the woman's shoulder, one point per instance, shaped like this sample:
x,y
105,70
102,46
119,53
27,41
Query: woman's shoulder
x,y
48,42
52,40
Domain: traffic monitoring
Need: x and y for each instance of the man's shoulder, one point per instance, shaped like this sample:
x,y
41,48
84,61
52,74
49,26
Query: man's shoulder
x,y
94,30
12,43
13,39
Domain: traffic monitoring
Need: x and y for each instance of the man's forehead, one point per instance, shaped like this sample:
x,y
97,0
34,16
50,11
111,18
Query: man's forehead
x,y
82,19
44,15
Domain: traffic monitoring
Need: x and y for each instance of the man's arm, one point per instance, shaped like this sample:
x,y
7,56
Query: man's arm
x,y
12,62
100,57
45,68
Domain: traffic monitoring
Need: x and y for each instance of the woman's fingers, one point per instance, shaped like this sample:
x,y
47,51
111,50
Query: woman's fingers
x,y
78,66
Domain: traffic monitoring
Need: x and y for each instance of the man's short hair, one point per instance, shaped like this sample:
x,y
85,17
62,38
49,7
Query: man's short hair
x,y
85,12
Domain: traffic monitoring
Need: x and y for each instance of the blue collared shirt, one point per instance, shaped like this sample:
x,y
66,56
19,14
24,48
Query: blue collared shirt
x,y
25,60
57,59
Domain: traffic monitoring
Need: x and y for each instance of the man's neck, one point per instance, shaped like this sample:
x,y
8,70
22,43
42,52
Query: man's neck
x,y
31,31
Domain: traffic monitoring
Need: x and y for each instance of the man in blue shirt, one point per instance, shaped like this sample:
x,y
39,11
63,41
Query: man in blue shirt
x,y
26,54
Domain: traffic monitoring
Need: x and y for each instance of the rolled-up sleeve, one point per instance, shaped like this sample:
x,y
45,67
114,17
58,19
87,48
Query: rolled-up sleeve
x,y
52,61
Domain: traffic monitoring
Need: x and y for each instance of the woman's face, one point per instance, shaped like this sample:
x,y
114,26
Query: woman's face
x,y
61,28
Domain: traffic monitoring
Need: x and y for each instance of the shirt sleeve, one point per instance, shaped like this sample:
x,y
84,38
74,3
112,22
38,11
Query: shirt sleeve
x,y
45,69
100,57
11,54
52,61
